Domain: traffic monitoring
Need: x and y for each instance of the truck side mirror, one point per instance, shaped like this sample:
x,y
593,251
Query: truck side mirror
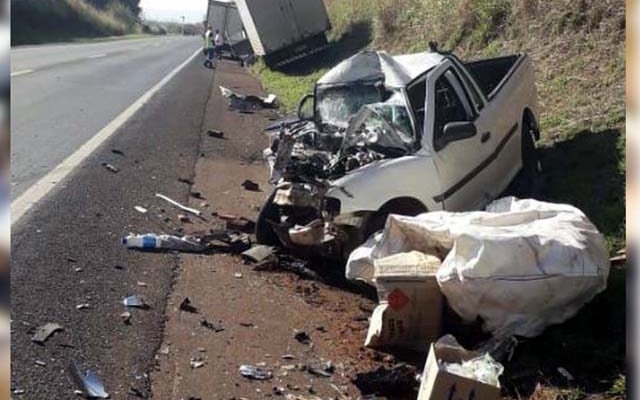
x,y
454,131
305,109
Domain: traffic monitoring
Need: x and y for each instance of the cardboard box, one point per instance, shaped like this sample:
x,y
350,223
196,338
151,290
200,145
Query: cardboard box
x,y
410,311
439,384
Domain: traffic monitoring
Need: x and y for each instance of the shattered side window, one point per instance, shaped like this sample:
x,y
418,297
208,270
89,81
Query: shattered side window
x,y
336,105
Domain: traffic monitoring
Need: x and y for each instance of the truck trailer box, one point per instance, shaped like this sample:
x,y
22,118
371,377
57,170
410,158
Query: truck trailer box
x,y
281,30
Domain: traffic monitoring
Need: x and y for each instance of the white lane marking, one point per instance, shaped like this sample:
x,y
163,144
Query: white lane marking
x,y
23,72
36,192
98,55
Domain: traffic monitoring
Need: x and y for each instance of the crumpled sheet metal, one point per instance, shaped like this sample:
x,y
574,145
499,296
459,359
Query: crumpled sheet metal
x,y
521,265
298,195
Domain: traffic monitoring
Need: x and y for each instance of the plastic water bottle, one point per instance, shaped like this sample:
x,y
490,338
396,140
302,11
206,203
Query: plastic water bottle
x,y
148,241
151,241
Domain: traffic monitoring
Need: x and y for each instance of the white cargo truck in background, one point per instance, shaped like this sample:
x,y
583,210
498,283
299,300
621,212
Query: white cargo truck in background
x,y
224,15
282,31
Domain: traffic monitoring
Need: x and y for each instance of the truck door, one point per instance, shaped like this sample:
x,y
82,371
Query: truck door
x,y
464,181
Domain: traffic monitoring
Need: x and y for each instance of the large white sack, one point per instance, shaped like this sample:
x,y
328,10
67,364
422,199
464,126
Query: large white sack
x,y
520,266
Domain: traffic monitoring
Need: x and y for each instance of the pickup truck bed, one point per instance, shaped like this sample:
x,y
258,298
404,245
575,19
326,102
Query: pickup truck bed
x,y
491,73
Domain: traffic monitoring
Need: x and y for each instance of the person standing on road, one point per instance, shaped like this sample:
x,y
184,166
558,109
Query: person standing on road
x,y
208,47
218,42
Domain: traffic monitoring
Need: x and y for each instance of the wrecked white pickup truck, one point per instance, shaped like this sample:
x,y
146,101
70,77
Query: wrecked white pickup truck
x,y
401,134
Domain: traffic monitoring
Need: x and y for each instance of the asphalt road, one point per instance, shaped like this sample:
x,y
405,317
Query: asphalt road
x,y
62,95
66,250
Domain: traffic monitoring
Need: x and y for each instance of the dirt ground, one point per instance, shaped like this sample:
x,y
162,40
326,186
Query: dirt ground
x,y
258,310
252,316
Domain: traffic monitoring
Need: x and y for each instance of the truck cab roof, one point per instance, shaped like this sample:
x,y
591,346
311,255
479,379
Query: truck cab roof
x,y
379,66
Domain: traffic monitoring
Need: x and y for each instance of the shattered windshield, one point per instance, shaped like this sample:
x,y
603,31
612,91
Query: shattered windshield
x,y
381,125
336,105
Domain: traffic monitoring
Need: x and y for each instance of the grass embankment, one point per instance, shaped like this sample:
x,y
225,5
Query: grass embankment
x,y
578,48
46,21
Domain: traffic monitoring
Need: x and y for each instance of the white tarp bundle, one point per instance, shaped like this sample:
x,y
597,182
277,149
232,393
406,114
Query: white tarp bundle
x,y
521,265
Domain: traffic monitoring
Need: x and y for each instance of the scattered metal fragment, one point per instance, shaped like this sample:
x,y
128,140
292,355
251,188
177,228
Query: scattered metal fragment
x,y
250,186
238,275
302,337
212,326
278,390
136,393
288,357
134,301
91,385
401,379
180,206
41,363
258,253
141,284
215,133
254,372
196,362
82,306
196,195
19,391
45,331
247,324
140,209
324,370
118,152
291,396
72,260
111,168
286,262
185,305
126,317
185,180
184,219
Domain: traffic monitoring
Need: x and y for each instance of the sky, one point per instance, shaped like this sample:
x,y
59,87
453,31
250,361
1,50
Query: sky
x,y
173,10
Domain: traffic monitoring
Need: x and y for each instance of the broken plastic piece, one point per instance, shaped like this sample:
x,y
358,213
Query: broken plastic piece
x,y
196,363
482,369
186,306
42,333
134,301
91,385
254,372
140,209
258,253
250,186
111,168
180,206
215,133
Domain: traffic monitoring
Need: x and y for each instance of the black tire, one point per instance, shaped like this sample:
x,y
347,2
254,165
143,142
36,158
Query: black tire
x,y
264,232
379,219
530,174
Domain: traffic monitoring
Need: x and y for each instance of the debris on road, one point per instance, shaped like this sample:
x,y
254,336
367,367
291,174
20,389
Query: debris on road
x,y
258,253
43,332
196,362
151,241
126,317
82,306
186,180
289,263
91,384
111,168
216,327
184,219
302,337
215,133
186,305
180,206
140,209
238,275
134,301
255,372
118,152
250,186
400,379
248,103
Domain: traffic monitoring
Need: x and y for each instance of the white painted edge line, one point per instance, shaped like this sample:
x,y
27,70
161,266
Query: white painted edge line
x,y
98,55
23,72
39,189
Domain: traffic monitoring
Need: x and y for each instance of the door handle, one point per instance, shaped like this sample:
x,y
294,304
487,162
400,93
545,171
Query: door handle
x,y
485,136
